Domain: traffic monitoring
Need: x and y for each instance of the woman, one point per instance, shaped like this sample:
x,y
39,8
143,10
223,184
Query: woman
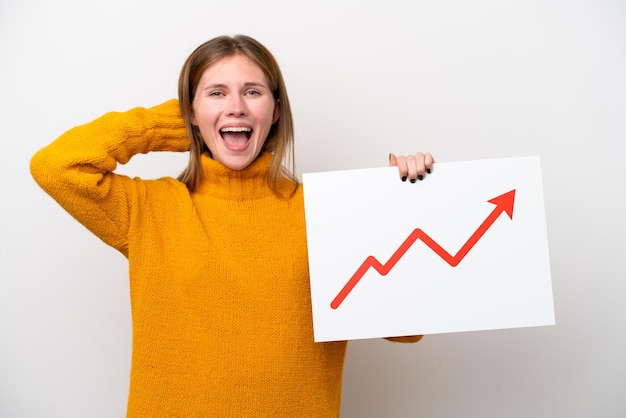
x,y
218,260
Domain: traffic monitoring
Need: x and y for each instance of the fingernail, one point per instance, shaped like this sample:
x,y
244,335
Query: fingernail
x,y
403,178
428,170
420,177
389,156
412,180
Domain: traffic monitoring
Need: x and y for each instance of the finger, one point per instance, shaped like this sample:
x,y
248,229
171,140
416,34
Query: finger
x,y
428,162
402,167
420,162
413,166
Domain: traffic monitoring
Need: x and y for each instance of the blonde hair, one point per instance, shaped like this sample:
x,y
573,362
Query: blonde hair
x,y
280,140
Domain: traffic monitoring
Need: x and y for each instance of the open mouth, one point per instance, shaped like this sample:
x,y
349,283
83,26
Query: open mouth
x,y
236,137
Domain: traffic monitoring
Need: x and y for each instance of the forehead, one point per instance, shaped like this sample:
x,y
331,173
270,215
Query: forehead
x,y
236,68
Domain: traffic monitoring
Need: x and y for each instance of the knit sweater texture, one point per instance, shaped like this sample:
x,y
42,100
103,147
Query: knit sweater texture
x,y
219,285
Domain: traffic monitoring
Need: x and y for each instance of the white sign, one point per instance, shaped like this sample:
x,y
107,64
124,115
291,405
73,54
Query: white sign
x,y
465,249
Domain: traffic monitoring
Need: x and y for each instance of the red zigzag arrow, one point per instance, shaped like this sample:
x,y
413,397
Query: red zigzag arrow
x,y
504,203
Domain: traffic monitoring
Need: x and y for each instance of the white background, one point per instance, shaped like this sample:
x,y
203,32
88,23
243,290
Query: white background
x,y
464,80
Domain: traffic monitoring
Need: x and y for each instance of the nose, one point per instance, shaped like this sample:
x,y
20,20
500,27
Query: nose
x,y
236,105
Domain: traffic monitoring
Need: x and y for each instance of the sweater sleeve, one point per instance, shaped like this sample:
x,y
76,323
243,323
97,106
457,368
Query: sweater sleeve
x,y
77,168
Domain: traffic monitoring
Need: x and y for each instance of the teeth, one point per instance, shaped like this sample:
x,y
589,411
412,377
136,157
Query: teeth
x,y
236,129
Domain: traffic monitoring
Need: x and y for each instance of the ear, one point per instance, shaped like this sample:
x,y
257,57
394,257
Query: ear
x,y
276,112
192,116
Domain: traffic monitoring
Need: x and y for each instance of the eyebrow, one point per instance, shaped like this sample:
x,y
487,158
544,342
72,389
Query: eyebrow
x,y
245,85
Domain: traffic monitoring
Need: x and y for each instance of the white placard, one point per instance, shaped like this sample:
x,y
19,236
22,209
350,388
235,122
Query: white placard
x,y
465,249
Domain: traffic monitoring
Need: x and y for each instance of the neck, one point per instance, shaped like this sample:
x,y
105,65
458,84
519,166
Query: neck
x,y
223,182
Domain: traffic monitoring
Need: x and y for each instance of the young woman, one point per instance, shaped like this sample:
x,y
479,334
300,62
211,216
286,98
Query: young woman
x,y
218,260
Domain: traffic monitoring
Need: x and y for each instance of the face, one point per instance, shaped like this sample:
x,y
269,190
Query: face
x,y
234,110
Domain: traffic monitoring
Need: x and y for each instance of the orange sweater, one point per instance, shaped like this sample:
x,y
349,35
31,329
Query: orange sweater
x,y
219,282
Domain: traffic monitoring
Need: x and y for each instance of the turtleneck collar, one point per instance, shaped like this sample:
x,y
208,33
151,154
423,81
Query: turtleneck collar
x,y
223,182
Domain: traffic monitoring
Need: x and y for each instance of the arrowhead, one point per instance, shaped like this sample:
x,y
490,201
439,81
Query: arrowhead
x,y
504,202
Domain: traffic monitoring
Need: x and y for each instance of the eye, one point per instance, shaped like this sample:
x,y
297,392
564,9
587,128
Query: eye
x,y
216,94
253,93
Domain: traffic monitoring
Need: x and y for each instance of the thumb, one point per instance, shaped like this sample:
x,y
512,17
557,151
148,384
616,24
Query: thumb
x,y
393,162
